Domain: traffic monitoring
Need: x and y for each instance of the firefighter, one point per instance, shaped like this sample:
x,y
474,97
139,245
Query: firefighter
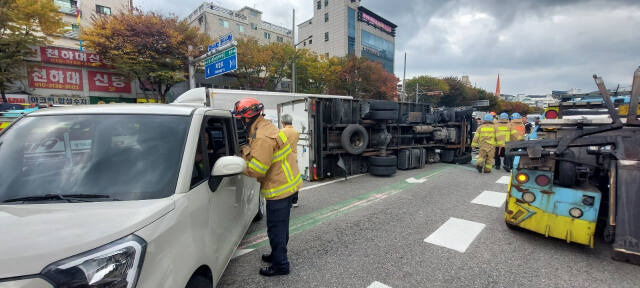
x,y
516,133
485,138
271,161
502,137
292,137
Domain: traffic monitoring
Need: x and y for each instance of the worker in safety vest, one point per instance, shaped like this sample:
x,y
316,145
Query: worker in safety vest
x,y
485,138
271,161
502,137
516,133
292,138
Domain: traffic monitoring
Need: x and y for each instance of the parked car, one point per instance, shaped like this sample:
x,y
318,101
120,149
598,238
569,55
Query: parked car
x,y
122,195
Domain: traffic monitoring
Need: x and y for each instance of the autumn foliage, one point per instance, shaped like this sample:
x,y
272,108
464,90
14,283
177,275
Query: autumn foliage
x,y
146,46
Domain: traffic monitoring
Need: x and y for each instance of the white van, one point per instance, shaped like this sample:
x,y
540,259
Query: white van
x,y
122,195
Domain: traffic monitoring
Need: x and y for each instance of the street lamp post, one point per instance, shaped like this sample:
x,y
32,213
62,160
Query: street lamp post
x,y
293,65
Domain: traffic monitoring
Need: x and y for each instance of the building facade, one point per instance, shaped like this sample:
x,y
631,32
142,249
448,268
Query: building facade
x,y
343,27
218,21
63,73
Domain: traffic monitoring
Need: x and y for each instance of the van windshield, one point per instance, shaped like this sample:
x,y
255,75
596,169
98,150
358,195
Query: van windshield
x,y
118,157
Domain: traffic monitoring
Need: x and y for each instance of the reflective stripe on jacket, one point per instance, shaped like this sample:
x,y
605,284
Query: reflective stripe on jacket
x,y
502,133
271,161
517,130
485,135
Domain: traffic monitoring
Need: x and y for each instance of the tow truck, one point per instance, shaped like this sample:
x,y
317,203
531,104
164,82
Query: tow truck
x,y
582,177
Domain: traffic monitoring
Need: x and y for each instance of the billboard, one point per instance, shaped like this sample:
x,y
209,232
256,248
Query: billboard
x,y
47,77
108,82
66,56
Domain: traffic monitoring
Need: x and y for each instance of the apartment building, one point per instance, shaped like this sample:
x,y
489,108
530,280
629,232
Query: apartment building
x,y
218,21
344,27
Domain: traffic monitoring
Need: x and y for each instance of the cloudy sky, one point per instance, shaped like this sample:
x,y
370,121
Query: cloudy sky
x,y
536,46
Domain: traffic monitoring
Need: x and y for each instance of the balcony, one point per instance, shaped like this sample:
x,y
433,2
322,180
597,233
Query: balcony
x,y
67,7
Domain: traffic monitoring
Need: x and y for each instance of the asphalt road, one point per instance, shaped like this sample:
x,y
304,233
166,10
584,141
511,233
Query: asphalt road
x,y
370,232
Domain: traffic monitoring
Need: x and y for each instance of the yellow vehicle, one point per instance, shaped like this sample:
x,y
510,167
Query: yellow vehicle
x,y
582,175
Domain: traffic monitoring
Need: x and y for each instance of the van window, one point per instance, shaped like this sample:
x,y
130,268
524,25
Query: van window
x,y
125,157
200,164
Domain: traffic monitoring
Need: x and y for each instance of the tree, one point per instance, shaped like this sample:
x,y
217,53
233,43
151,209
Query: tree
x,y
458,93
146,46
364,79
23,24
426,84
252,63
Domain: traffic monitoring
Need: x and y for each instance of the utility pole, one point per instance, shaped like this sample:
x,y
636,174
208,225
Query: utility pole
x,y
404,75
293,65
416,92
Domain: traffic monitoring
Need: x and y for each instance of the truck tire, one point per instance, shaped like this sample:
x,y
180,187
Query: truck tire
x,y
198,281
354,139
382,170
464,159
384,114
382,105
383,161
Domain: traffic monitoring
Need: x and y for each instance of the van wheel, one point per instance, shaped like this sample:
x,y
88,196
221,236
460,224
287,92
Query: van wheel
x,y
262,209
199,281
354,139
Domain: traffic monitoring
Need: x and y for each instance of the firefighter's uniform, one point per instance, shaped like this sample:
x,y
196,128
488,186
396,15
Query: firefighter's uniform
x,y
485,139
502,137
271,160
516,133
292,137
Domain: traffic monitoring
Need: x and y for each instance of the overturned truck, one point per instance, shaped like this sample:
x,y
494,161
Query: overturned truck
x,y
342,137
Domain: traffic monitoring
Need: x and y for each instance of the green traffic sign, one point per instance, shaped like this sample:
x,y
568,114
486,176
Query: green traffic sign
x,y
222,55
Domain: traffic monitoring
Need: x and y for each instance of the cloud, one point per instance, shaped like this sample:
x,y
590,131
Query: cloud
x,y
536,45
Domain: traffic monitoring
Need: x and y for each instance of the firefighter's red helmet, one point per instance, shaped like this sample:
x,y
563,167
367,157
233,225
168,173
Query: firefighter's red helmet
x,y
247,107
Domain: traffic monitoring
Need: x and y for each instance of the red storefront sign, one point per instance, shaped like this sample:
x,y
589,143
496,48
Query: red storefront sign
x,y
72,57
108,82
47,77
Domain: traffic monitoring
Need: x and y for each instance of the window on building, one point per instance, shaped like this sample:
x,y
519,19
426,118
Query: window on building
x,y
310,41
267,35
240,27
254,26
319,4
326,36
254,13
200,20
223,23
304,43
103,10
279,39
326,17
326,3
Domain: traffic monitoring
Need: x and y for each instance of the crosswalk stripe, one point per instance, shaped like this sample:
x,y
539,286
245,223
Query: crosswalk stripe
x,y
503,180
377,284
456,234
490,198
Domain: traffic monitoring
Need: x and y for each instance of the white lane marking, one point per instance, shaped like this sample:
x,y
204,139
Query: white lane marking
x,y
490,198
503,180
377,284
241,252
328,182
414,180
456,234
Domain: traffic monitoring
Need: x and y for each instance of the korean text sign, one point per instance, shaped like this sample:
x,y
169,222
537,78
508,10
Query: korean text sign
x,y
47,77
108,82
73,57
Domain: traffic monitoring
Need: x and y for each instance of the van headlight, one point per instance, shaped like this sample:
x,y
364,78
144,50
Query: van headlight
x,y
116,264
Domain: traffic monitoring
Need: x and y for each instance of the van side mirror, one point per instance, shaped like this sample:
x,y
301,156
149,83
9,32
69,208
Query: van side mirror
x,y
228,165
225,166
